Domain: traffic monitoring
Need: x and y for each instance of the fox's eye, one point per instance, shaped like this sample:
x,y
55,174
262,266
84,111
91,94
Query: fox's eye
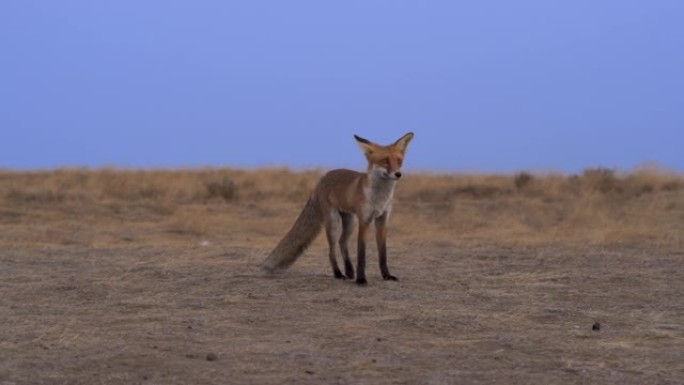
x,y
385,162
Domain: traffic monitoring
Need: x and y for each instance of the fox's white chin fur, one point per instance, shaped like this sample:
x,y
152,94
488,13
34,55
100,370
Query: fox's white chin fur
x,y
381,173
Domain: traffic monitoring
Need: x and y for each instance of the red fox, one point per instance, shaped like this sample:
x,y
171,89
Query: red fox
x,y
340,196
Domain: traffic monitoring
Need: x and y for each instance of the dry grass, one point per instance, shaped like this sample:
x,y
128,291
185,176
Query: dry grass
x,y
128,276
596,206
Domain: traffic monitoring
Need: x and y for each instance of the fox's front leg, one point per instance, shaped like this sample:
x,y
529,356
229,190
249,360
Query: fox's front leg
x,y
381,239
361,253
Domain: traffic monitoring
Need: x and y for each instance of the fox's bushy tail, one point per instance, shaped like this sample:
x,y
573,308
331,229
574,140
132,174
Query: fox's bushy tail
x,y
305,229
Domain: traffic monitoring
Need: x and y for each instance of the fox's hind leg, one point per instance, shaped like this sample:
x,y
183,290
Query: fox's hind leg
x,y
347,230
333,231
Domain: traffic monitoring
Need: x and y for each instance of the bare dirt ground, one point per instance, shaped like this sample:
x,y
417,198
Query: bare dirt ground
x,y
128,277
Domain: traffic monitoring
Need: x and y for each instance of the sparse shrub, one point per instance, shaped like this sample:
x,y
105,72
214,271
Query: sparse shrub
x,y
522,180
224,189
600,179
673,185
641,182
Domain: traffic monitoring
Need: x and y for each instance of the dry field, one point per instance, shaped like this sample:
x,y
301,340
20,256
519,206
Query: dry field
x,y
152,277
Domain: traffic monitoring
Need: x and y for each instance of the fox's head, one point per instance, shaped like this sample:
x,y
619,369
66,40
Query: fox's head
x,y
385,161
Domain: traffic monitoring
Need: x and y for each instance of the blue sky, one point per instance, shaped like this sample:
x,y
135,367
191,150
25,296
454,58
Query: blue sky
x,y
493,86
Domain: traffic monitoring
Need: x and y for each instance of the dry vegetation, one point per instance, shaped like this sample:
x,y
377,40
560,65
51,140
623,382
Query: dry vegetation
x,y
596,206
125,276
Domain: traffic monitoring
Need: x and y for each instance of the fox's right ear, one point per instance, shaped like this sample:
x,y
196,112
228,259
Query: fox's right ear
x,y
366,145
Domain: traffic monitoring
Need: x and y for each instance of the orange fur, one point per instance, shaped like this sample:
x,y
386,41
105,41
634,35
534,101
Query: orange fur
x,y
340,196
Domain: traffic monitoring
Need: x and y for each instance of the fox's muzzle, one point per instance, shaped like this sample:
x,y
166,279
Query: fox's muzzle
x,y
391,174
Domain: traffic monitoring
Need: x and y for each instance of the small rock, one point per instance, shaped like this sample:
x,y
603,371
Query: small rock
x,y
596,326
212,357
311,372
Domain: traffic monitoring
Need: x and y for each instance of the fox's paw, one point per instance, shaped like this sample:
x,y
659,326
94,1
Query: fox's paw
x,y
348,270
361,281
390,277
338,274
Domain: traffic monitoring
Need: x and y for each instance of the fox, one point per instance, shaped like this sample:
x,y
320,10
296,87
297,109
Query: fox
x,y
340,197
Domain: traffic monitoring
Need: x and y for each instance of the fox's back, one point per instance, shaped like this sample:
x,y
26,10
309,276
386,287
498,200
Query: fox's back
x,y
342,188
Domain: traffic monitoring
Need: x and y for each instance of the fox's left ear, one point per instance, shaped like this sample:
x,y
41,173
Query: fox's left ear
x,y
403,142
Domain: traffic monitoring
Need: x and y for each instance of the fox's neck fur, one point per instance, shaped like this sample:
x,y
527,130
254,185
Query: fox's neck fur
x,y
379,193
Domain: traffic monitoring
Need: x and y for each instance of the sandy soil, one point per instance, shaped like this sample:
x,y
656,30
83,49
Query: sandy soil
x,y
457,315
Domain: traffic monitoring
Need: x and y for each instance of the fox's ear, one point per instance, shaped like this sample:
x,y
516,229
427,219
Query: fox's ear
x,y
403,142
366,145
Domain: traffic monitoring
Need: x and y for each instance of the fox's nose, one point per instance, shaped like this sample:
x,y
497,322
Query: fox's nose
x,y
397,174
